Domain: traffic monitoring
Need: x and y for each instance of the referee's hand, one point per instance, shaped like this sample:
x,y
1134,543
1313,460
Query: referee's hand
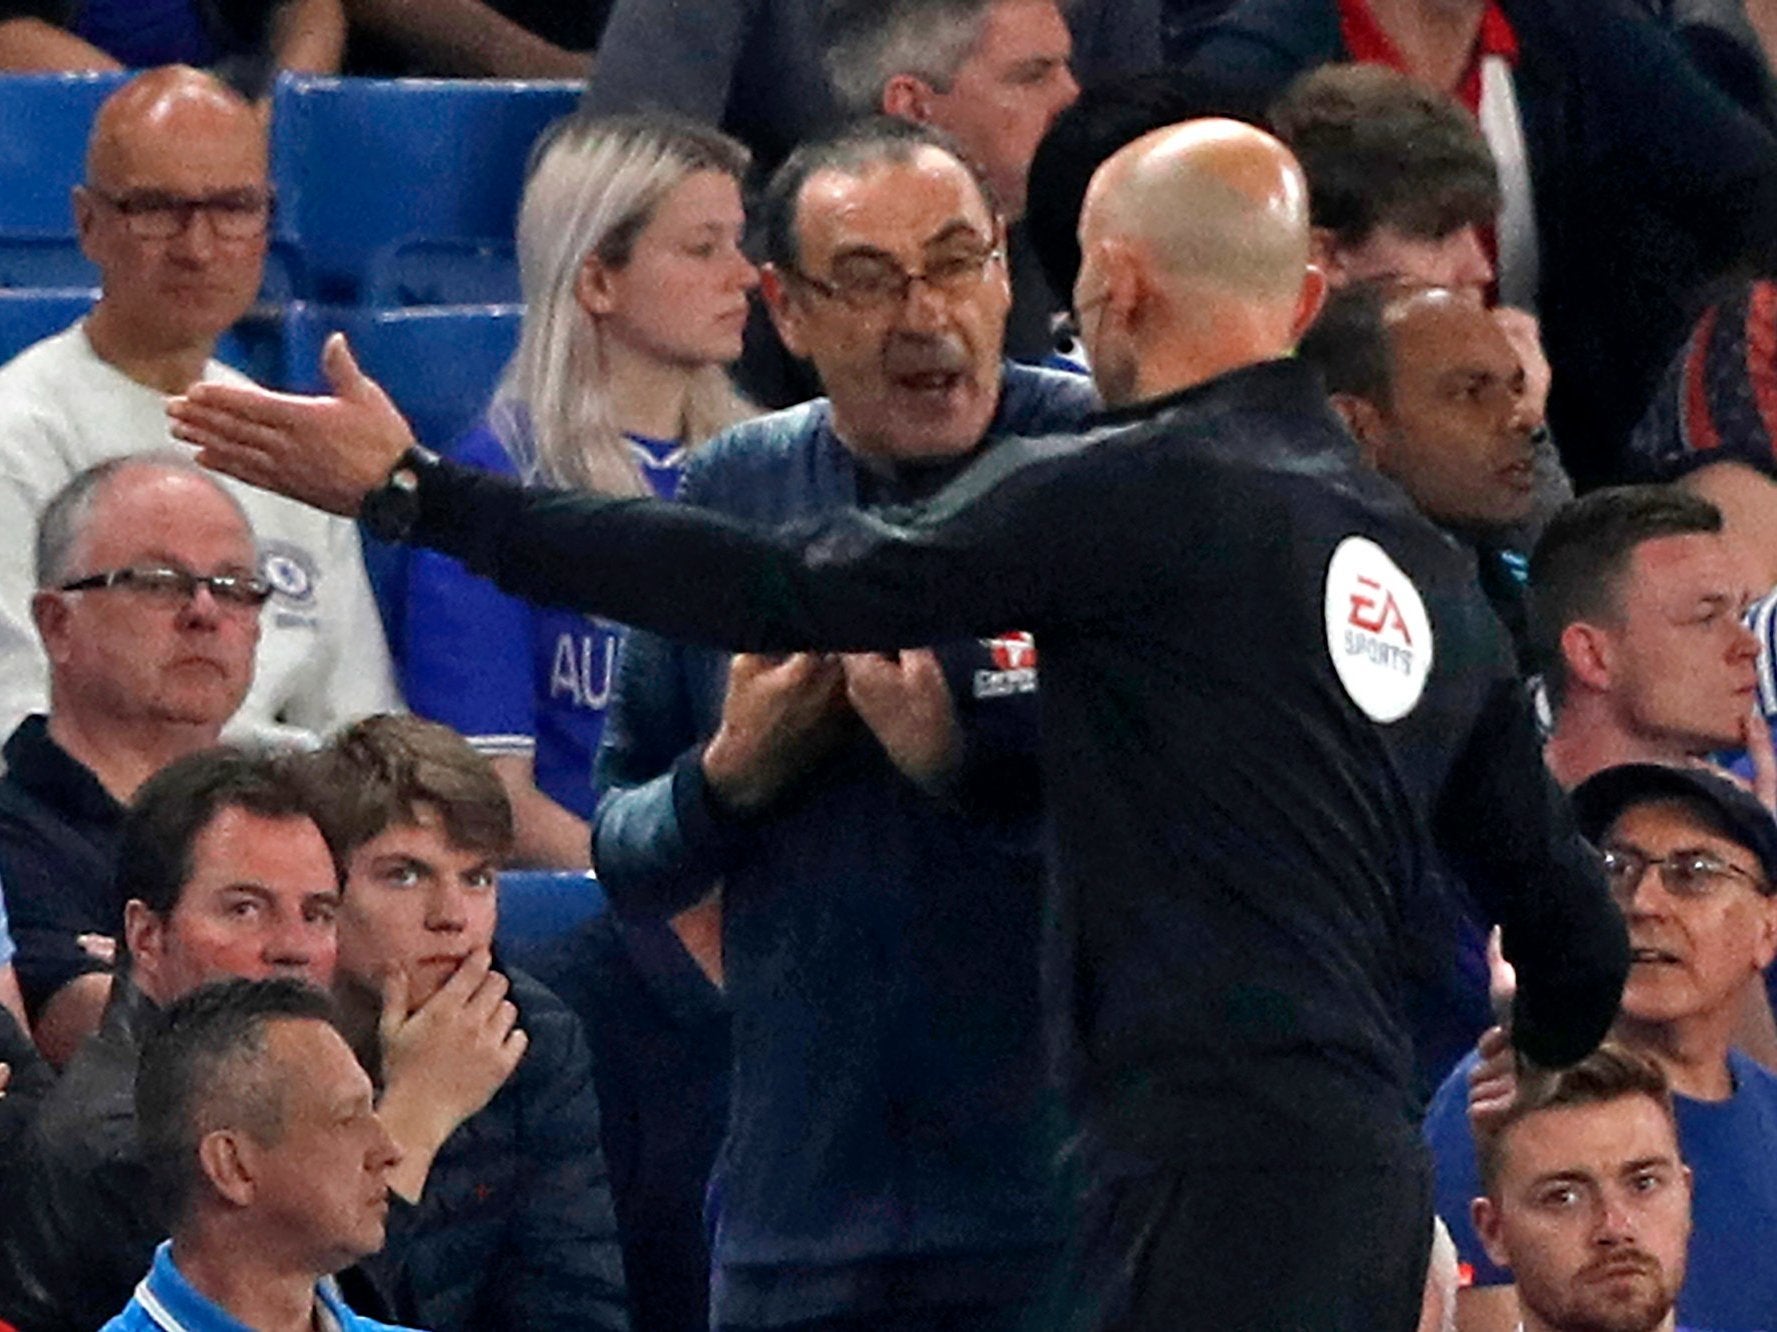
x,y
329,451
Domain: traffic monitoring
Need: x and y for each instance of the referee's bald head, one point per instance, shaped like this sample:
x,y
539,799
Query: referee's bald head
x,y
1194,237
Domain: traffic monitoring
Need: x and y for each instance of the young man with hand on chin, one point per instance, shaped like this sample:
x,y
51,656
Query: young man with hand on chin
x,y
503,1215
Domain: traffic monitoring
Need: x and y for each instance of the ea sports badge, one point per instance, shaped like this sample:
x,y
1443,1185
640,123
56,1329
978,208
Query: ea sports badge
x,y
1377,631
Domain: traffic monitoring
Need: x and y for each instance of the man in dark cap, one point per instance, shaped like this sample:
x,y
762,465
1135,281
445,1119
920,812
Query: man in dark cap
x,y
1692,861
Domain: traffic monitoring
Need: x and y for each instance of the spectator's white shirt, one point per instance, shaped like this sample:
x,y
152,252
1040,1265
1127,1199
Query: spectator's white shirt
x,y
322,659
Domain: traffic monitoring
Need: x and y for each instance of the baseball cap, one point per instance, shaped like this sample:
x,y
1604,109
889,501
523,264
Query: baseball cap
x,y
1599,799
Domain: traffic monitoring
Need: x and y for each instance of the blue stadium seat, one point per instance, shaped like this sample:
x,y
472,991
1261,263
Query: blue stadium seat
x,y
442,272
31,316
40,259
37,259
263,345
362,164
44,120
439,363
537,906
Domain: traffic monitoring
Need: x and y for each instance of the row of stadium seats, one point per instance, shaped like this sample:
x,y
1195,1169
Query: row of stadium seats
x,y
439,363
390,192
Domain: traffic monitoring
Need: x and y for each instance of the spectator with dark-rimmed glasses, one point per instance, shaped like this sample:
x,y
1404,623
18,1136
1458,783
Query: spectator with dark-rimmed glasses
x,y
175,211
148,607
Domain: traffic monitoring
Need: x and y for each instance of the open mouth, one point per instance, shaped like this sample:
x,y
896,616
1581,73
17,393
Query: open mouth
x,y
929,383
1653,957
932,368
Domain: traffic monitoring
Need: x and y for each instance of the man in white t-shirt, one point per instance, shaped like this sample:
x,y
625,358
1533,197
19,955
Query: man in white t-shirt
x,y
174,212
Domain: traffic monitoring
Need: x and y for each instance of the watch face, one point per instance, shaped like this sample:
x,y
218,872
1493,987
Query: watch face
x,y
390,511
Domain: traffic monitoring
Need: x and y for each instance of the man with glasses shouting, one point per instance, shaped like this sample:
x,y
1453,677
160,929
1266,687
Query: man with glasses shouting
x,y
174,213
1692,861
148,608
871,818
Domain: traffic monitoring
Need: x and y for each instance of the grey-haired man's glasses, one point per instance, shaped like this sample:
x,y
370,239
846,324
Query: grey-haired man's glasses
x,y
1684,873
876,282
176,587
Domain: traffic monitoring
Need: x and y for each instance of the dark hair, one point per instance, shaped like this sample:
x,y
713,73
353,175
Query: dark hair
x,y
851,151
378,772
1610,1073
1578,565
1349,343
176,805
201,1070
1087,134
1379,150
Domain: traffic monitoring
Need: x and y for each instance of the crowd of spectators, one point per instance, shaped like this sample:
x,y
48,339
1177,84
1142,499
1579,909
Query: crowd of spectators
x,y
261,1059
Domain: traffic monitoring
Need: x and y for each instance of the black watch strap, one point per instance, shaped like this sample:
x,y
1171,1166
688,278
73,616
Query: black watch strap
x,y
390,511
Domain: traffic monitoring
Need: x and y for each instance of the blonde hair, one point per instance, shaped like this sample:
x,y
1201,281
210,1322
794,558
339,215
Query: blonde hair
x,y
594,185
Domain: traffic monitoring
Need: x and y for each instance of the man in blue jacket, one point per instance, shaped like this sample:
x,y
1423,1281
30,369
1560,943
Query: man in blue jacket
x,y
869,818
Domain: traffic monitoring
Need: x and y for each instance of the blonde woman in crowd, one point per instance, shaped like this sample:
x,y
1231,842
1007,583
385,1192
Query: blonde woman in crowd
x,y
636,298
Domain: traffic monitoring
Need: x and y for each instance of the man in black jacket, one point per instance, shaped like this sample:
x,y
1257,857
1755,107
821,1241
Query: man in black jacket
x,y
225,875
24,1078
1271,688
509,1224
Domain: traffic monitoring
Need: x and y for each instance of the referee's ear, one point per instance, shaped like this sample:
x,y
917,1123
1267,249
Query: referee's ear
x,y
1309,300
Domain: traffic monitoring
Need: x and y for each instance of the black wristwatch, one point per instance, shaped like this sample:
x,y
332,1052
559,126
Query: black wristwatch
x,y
390,511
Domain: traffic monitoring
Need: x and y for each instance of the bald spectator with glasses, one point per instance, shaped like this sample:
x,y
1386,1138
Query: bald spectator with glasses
x,y
175,211
148,607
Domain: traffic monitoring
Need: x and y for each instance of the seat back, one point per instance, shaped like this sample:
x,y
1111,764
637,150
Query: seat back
x,y
362,164
440,365
441,271
44,121
538,906
30,316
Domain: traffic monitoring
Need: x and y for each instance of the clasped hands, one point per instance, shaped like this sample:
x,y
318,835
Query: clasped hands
x,y
782,714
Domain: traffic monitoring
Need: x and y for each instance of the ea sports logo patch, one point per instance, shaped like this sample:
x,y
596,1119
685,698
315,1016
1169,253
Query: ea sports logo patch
x,y
1377,631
